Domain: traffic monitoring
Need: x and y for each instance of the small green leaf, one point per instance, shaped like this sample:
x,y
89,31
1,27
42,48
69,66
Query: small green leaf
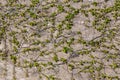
x,y
55,58
60,8
13,58
65,49
63,60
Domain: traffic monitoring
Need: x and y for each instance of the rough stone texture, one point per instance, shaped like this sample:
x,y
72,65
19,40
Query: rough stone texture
x,y
47,48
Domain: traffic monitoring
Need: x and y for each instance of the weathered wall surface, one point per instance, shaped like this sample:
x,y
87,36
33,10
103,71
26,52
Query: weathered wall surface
x,y
59,40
